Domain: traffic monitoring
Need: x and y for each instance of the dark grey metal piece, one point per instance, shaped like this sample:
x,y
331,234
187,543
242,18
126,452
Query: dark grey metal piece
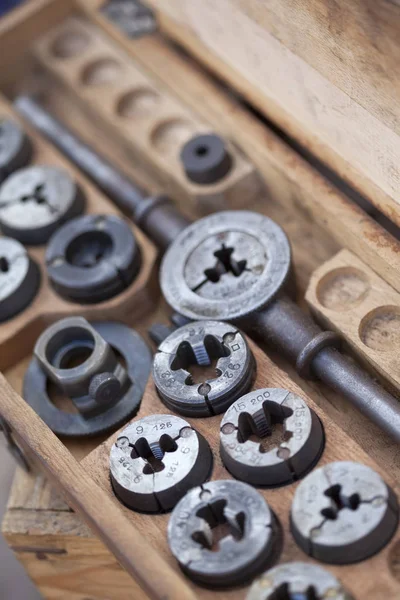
x,y
343,513
16,452
156,460
103,402
160,220
205,159
297,581
19,278
104,387
235,266
158,332
15,147
130,16
244,552
199,344
35,201
92,258
257,413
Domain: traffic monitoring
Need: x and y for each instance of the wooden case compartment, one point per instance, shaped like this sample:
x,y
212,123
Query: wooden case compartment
x,y
62,555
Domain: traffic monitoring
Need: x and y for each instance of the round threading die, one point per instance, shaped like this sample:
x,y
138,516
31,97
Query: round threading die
x,y
156,460
297,581
93,258
15,147
343,512
250,544
198,345
258,415
226,266
19,278
35,201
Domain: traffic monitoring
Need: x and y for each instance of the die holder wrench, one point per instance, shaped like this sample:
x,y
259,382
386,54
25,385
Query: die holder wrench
x,y
279,324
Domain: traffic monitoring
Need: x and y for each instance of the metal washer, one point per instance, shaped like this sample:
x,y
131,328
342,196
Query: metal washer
x,y
343,513
257,412
254,238
138,365
183,454
15,147
205,159
19,278
93,258
36,200
297,580
242,554
199,343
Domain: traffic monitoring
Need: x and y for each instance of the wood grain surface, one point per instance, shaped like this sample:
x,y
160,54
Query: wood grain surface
x,y
324,71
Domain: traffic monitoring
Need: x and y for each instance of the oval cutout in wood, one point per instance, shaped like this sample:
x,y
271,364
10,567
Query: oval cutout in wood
x,y
69,44
172,134
138,103
101,71
380,329
342,289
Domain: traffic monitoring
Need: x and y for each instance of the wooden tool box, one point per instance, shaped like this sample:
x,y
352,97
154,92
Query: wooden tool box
x,y
286,85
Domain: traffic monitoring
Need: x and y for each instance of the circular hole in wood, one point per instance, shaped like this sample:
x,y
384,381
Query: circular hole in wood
x,y
394,561
138,103
173,133
342,289
380,329
69,44
101,71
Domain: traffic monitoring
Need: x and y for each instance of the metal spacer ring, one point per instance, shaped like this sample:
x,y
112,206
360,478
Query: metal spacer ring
x,y
322,340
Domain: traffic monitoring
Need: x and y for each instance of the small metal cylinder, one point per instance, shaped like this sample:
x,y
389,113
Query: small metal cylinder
x,y
160,220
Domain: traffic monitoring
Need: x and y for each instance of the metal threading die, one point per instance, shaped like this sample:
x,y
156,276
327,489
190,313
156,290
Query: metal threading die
x,y
257,414
156,460
343,513
226,266
197,345
252,543
19,278
297,581
93,258
15,147
37,200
